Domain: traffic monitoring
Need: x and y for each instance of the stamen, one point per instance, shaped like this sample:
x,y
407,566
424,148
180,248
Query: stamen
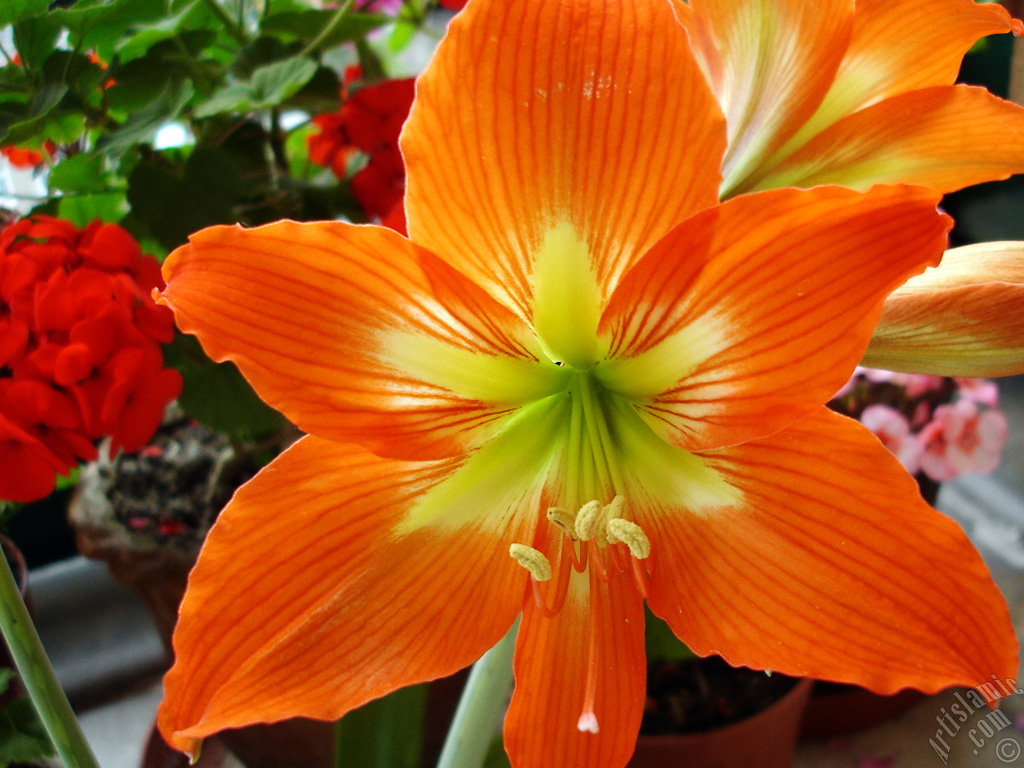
x,y
630,534
532,560
579,563
596,563
564,520
586,521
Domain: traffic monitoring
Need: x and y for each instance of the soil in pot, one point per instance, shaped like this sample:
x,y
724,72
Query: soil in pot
x,y
702,713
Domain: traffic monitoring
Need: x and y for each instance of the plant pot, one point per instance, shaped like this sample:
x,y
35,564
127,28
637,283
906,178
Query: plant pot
x,y
836,710
764,740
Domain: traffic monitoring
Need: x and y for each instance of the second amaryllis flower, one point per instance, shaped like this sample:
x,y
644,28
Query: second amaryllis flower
x,y
579,384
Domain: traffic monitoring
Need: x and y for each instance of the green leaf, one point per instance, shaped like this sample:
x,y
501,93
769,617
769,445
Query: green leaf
x,y
64,128
6,675
12,11
269,86
81,209
22,737
275,82
174,206
401,36
100,24
35,121
661,642
217,395
142,125
184,17
78,173
386,733
141,80
306,25
34,39
236,97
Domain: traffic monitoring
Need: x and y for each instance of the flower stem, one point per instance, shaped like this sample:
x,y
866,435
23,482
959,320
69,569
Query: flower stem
x,y
38,677
233,29
326,32
483,702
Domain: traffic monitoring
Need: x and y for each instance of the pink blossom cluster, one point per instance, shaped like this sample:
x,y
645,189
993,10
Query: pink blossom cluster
x,y
940,427
80,355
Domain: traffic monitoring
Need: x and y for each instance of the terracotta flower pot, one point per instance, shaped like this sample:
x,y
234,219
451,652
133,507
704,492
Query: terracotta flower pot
x,y
764,740
835,710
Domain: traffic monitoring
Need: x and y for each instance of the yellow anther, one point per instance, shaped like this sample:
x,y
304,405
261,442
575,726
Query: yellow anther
x,y
587,520
564,520
630,534
532,560
616,508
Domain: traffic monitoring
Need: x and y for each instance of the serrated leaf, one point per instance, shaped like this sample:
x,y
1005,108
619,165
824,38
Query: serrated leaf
x,y
142,125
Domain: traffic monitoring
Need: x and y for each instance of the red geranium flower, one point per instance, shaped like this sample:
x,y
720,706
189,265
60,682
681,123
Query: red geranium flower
x,y
368,123
80,352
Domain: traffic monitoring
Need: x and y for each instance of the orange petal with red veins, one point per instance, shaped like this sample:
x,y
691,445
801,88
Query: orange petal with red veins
x,y
770,64
829,566
947,137
306,601
338,326
591,113
792,285
900,47
602,624
962,318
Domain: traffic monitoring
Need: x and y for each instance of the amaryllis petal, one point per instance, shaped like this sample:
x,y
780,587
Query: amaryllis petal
x,y
904,46
308,601
946,137
339,327
962,318
590,115
769,63
778,317
597,639
803,576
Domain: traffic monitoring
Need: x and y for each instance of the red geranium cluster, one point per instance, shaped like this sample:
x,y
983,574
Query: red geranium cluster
x,y
80,354
369,122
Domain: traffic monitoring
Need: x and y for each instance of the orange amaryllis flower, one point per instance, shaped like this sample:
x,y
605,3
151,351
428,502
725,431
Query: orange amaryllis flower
x,y
965,317
579,385
854,92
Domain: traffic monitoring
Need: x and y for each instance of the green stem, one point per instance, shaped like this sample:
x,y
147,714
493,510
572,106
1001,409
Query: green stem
x,y
233,29
483,702
336,19
38,677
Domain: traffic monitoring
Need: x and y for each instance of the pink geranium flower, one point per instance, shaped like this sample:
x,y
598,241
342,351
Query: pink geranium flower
x,y
892,428
960,440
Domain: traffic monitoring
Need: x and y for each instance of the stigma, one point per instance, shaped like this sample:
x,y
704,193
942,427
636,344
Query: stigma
x,y
600,539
